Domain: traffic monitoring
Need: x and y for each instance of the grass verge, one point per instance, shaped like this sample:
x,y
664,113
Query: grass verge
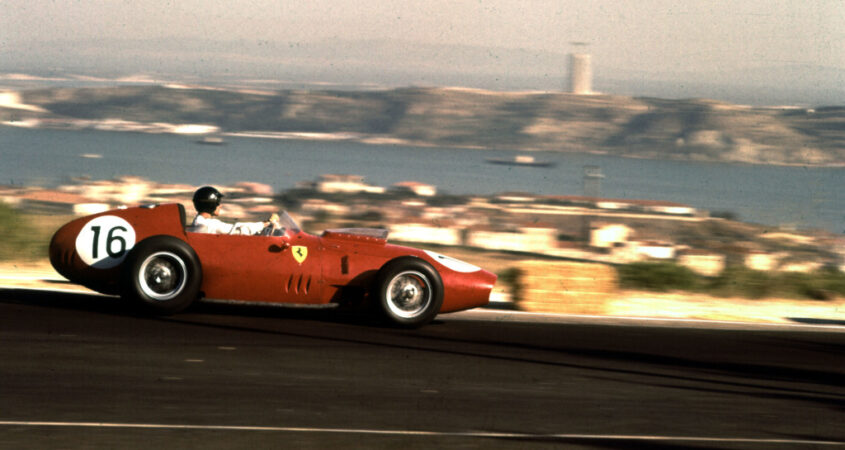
x,y
734,281
26,237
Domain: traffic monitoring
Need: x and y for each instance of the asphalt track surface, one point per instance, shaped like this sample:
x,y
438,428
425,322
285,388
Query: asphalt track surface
x,y
84,371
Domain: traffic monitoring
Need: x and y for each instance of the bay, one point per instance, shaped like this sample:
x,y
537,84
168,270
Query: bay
x,y
803,197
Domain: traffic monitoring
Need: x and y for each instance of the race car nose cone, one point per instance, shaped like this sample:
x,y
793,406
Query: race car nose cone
x,y
62,254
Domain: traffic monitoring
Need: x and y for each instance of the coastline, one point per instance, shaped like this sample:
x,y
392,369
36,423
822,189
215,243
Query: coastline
x,y
199,131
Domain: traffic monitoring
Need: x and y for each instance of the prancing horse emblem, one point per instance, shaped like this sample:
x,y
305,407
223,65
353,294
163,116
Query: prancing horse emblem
x,y
300,253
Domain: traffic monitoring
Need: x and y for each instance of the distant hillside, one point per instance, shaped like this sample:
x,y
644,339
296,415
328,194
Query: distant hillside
x,y
700,130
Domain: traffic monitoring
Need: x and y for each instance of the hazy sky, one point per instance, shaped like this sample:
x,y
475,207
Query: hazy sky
x,y
628,34
694,45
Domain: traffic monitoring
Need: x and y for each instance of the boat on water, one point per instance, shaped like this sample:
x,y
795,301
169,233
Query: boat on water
x,y
521,160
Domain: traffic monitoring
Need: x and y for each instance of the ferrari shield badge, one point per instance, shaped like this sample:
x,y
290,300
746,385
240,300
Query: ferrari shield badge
x,y
300,253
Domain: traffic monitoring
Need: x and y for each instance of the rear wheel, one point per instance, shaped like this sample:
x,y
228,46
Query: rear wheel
x,y
409,292
162,275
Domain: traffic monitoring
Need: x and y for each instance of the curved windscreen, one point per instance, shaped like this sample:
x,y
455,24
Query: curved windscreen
x,y
287,223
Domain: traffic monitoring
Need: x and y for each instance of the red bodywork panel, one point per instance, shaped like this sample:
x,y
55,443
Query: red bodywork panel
x,y
297,268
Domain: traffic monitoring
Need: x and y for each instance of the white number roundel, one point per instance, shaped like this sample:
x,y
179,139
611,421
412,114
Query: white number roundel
x,y
104,242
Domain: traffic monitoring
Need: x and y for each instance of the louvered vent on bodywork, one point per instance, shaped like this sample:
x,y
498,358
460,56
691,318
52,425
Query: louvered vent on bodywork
x,y
298,284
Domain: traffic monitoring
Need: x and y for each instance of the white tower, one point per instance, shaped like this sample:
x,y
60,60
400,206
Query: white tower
x,y
580,74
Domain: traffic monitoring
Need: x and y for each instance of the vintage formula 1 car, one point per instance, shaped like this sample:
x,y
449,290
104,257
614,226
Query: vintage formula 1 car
x,y
145,255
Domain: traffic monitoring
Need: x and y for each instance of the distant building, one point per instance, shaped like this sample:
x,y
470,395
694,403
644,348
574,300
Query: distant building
x,y
702,262
534,239
539,238
649,206
580,74
655,250
609,235
661,207
801,266
757,260
347,184
423,233
421,189
314,205
516,197
613,204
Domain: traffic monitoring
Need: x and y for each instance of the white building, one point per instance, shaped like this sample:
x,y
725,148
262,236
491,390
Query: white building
x,y
346,184
527,239
655,250
609,235
421,189
315,205
757,260
416,232
670,208
703,262
801,266
651,206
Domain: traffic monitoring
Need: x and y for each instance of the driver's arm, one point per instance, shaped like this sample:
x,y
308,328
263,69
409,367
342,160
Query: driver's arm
x,y
256,227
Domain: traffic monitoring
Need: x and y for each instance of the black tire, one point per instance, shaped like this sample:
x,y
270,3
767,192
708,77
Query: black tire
x,y
409,292
162,275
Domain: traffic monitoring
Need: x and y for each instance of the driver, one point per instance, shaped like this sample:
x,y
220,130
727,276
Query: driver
x,y
207,203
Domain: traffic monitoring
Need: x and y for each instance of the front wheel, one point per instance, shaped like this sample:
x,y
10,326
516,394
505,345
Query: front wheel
x,y
162,275
409,292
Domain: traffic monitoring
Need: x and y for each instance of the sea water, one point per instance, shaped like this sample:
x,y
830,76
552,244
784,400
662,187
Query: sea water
x,y
800,196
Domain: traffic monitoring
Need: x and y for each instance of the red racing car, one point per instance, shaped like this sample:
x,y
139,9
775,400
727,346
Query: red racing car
x,y
145,255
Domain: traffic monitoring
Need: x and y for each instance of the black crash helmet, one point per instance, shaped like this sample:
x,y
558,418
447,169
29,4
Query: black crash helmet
x,y
207,199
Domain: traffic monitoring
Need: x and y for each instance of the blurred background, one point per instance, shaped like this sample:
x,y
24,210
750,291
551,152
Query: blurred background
x,y
692,146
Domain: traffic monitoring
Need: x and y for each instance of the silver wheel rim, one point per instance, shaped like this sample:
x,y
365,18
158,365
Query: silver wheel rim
x,y
408,294
163,276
